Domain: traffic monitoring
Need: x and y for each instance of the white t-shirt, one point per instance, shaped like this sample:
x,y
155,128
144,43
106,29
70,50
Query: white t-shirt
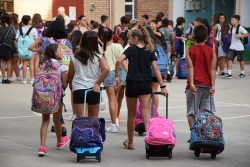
x,y
86,75
236,43
66,20
33,33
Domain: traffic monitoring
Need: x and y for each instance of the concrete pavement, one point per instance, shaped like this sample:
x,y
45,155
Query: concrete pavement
x,y
19,130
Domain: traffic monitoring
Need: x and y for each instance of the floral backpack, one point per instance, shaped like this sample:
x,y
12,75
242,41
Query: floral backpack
x,y
47,91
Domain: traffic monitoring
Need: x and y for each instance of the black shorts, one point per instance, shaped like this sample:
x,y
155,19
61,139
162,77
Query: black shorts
x,y
92,97
233,53
137,88
154,79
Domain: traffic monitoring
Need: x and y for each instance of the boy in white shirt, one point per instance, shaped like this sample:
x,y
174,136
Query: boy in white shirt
x,y
236,47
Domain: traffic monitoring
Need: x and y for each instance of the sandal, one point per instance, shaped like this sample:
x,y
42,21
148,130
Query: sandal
x,y
127,145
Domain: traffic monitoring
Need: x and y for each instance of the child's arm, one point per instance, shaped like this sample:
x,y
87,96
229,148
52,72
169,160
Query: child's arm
x,y
64,80
190,72
104,73
157,33
125,65
33,47
159,78
71,74
117,68
214,35
213,74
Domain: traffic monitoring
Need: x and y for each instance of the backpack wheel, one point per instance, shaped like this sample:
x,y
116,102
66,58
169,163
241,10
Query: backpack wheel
x,y
99,158
78,158
140,133
213,156
197,153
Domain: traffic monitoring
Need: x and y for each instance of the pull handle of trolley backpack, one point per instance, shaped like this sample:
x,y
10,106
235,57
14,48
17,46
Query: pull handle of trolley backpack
x,y
152,106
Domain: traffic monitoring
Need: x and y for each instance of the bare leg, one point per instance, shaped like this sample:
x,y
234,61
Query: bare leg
x,y
24,68
155,86
242,65
79,109
131,105
3,68
57,123
31,62
72,103
9,68
190,121
14,64
44,128
120,98
145,108
222,63
229,64
93,110
113,104
176,64
36,63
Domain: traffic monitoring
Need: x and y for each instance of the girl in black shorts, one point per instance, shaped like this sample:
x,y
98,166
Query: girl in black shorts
x,y
141,57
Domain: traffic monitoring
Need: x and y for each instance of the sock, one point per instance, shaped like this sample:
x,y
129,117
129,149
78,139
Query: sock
x,y
229,72
242,72
5,79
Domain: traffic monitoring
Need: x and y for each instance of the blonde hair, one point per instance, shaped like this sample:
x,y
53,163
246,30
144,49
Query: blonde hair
x,y
143,36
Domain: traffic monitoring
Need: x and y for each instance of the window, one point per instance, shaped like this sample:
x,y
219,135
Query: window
x,y
129,8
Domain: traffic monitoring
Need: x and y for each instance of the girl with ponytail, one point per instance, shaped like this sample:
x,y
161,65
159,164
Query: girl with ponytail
x,y
111,51
141,56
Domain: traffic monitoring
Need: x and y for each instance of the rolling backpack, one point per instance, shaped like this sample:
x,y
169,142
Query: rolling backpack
x,y
6,46
47,91
162,61
23,44
181,73
226,42
115,34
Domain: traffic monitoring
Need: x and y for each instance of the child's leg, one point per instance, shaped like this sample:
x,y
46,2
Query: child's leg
x,y
176,64
113,104
192,104
14,66
120,97
31,62
222,63
72,103
131,105
24,68
3,68
93,101
9,68
57,122
36,63
145,101
155,86
93,110
44,127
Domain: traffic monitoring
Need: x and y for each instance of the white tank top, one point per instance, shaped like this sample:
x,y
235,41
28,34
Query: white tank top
x,y
85,75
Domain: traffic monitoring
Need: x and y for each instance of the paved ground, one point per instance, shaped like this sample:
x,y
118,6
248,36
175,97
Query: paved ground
x,y
19,130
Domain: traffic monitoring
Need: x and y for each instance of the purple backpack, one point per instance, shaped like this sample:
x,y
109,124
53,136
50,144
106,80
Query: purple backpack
x,y
226,42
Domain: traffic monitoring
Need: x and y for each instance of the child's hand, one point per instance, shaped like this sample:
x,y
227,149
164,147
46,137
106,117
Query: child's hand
x,y
96,88
212,91
116,83
164,91
193,89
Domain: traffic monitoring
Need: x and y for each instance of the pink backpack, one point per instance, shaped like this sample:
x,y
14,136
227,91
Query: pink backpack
x,y
160,131
138,117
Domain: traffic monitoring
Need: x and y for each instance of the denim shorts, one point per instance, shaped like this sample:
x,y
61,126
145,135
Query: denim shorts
x,y
109,80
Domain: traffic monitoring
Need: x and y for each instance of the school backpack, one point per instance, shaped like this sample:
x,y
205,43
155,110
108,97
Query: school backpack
x,y
87,132
206,126
6,46
23,44
161,60
226,42
66,51
160,131
181,73
47,91
40,32
248,45
115,34
189,43
244,41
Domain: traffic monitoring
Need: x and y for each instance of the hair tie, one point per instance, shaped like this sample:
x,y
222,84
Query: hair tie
x,y
106,30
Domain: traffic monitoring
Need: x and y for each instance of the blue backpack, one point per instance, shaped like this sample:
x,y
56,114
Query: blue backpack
x,y
161,60
226,42
181,73
248,45
23,43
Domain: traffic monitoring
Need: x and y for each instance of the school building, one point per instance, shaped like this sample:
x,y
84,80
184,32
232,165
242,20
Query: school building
x,y
93,9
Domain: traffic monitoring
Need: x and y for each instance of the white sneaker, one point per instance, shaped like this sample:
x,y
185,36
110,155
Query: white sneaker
x,y
113,128
19,78
103,106
31,81
72,117
12,79
24,81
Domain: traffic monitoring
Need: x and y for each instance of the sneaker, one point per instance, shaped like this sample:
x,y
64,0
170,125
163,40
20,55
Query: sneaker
x,y
24,81
113,128
227,76
42,151
3,81
12,79
19,78
103,106
241,76
31,81
217,73
72,117
64,141
7,81
222,74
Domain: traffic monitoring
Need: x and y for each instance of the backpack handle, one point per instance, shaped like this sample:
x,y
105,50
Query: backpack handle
x,y
85,97
10,27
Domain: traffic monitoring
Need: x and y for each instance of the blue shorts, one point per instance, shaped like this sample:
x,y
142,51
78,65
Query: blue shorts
x,y
109,80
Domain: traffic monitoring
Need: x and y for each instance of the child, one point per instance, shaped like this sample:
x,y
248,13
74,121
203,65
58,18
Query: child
x,y
87,70
201,63
141,57
111,51
53,52
236,47
120,27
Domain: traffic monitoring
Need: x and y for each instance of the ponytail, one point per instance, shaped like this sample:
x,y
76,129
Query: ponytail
x,y
147,40
106,36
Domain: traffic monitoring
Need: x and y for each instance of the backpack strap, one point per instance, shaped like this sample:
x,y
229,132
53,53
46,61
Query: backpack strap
x,y
21,31
10,27
29,31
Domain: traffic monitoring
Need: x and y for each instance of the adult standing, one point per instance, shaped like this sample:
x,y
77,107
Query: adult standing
x,y
61,11
82,26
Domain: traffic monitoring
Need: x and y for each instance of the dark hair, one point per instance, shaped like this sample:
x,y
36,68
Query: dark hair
x,y
198,19
159,16
70,27
46,25
60,18
50,52
2,11
95,25
215,19
124,36
88,47
13,20
200,33
145,16
191,23
5,19
81,16
237,17
125,20
205,22
165,23
154,21
219,15
37,21
56,30
106,36
180,21
92,21
26,19
170,22
224,29
75,40
104,18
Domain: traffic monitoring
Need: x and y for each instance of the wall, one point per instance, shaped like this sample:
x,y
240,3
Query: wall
x,y
244,13
151,8
178,10
43,7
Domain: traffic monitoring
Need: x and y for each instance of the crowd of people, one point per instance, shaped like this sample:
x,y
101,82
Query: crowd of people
x,y
119,61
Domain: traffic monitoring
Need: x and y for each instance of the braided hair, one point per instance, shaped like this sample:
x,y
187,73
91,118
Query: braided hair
x,y
106,36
